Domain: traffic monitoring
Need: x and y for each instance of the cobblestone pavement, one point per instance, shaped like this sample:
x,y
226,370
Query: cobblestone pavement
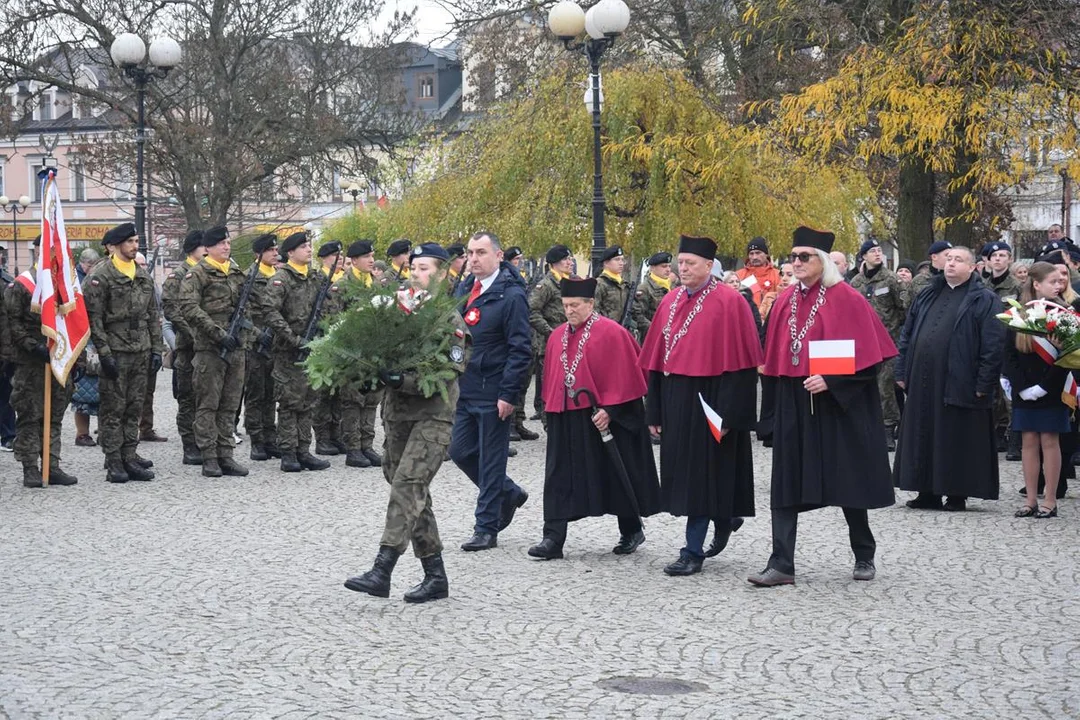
x,y
188,597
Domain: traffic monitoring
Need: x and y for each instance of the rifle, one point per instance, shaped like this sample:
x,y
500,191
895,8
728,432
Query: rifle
x,y
316,312
628,308
237,320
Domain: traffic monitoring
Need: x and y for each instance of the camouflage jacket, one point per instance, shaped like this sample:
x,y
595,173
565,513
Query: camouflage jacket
x,y
647,300
22,327
545,311
407,404
170,305
611,299
919,283
287,305
1007,287
122,310
886,295
208,299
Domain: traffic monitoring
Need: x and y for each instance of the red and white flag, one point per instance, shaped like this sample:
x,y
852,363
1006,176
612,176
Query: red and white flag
x,y
1070,395
832,357
58,294
716,423
1044,349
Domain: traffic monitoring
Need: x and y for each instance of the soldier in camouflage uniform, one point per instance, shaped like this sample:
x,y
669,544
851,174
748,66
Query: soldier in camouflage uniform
x,y
183,389
31,357
651,291
326,421
398,254
886,294
290,297
126,331
937,265
259,407
1001,281
612,293
417,437
456,272
209,294
357,408
546,310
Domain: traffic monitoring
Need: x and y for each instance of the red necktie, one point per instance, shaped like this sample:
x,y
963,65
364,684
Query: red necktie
x,y
476,288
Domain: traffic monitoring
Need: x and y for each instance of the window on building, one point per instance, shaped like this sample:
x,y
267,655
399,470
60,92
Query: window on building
x,y
427,87
36,166
124,187
3,179
45,106
78,182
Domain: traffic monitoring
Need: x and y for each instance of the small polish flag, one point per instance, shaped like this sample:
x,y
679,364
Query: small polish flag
x,y
1071,394
832,357
1044,349
716,423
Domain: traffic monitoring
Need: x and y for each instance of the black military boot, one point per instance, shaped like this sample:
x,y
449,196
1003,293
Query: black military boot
x,y
374,457
232,468
272,449
31,476
142,462
210,467
58,476
258,452
357,458
376,581
526,434
116,471
325,447
137,472
434,586
340,446
310,462
289,463
192,455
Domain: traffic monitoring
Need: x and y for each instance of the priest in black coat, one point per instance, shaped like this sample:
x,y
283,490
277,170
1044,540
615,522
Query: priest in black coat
x,y
829,444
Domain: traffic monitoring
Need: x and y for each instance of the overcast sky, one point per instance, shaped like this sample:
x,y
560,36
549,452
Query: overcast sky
x,y
432,20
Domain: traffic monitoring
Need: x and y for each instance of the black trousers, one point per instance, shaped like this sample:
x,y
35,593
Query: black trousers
x,y
556,529
785,523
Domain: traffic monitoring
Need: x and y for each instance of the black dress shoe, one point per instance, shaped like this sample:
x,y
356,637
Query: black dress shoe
x,y
925,502
721,538
955,505
546,549
687,564
374,457
770,577
481,541
509,507
629,543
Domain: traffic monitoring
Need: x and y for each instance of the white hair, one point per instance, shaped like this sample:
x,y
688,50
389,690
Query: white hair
x,y
830,274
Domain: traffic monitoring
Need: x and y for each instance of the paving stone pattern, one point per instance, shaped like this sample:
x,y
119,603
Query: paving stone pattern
x,y
195,598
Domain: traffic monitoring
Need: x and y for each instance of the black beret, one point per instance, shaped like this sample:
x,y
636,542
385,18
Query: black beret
x,y
808,237
261,244
328,249
578,287
939,246
455,250
514,252
398,247
868,245
611,253
430,250
192,241
700,246
557,253
215,235
37,241
757,243
360,248
660,258
996,246
293,241
119,234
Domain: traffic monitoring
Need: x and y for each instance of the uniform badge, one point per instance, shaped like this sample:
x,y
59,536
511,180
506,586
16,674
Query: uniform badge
x,y
94,282
459,333
457,354
277,282
472,317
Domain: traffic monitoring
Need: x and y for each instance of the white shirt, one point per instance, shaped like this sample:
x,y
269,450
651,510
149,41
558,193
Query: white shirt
x,y
488,281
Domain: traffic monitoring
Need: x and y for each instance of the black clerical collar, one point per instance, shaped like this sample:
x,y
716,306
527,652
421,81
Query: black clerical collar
x,y
956,287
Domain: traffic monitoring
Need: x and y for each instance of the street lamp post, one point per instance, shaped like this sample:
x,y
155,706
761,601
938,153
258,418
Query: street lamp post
x,y
603,22
15,207
353,188
128,52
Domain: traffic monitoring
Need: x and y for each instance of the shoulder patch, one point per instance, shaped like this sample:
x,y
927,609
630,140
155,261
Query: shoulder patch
x,y
187,276
459,333
277,282
639,293
457,354
93,281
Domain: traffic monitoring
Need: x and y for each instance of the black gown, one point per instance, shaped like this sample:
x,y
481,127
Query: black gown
x,y
943,449
851,465
699,476
580,480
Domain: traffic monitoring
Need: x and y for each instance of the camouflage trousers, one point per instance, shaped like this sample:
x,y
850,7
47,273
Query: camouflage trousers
x,y
146,419
259,410
121,405
219,386
1002,409
28,402
184,392
413,453
326,422
294,398
886,382
358,418
519,409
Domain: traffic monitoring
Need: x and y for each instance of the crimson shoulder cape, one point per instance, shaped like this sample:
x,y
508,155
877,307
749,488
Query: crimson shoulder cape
x,y
608,367
722,338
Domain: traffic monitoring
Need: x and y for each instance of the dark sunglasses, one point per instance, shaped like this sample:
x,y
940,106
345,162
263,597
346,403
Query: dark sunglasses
x,y
802,257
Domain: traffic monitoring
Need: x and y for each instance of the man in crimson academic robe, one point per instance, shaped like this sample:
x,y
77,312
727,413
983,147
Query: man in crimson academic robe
x,y
593,359
702,348
828,438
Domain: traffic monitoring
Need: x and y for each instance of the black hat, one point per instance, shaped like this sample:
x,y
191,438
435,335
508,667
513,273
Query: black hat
x,y
293,241
119,234
660,258
757,243
513,252
266,241
808,237
192,241
398,247
429,250
576,287
37,241
995,246
909,264
700,246
215,235
612,252
868,245
360,248
455,250
328,249
557,253
939,246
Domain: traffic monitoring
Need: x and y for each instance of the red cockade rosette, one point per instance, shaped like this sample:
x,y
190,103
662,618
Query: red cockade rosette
x,y
1060,326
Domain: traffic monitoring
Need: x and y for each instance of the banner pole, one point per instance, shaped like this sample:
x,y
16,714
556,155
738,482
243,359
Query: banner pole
x,y
46,435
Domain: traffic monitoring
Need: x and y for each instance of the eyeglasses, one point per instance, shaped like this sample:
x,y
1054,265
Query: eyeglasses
x,y
802,257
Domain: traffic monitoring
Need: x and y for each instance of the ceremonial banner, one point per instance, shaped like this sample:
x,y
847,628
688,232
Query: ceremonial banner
x,y
832,357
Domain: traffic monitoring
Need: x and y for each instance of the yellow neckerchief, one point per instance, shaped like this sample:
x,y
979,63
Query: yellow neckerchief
x,y
559,277
362,277
523,275
127,267
191,261
662,282
302,269
222,266
337,276
266,270
612,276
454,275
402,271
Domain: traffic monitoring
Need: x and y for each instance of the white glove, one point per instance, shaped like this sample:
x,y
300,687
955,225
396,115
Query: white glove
x,y
1032,393
1006,386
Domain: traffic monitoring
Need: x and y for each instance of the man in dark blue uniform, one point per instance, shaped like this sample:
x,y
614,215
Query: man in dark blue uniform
x,y
497,313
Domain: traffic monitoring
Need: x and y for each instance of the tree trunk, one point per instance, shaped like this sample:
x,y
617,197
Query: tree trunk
x,y
915,210
960,225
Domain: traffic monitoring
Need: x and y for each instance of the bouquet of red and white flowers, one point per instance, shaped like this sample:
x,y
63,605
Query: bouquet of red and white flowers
x,y
1059,325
